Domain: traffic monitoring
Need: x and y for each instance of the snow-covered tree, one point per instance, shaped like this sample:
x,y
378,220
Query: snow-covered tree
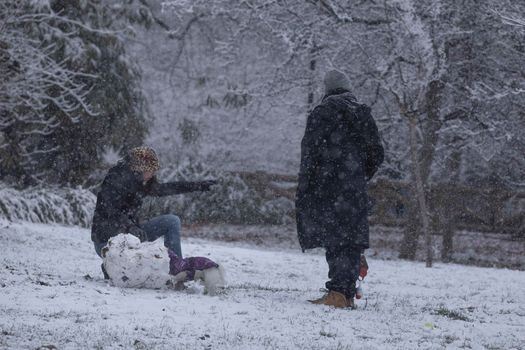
x,y
235,63
460,113
412,73
70,89
31,81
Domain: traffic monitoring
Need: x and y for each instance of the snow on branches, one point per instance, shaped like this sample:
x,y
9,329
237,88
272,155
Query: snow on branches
x,y
68,87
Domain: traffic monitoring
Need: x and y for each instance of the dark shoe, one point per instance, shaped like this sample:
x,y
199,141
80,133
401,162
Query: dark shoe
x,y
335,299
106,276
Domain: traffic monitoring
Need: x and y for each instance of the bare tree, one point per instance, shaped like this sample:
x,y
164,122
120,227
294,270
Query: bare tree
x,y
412,74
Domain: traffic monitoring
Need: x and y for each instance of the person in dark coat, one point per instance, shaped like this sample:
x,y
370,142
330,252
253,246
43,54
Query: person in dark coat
x,y
121,195
341,150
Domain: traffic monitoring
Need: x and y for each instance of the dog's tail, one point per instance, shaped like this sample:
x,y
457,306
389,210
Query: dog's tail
x,y
214,278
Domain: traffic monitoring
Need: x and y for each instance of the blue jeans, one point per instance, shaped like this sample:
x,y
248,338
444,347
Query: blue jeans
x,y
164,225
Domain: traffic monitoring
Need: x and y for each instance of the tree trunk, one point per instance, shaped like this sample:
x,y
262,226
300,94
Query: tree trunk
x,y
312,83
449,206
422,159
412,229
448,242
420,190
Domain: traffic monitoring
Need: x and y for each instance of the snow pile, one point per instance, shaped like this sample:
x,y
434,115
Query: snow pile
x,y
47,205
131,264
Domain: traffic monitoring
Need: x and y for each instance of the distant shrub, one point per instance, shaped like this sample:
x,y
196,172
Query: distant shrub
x,y
47,205
231,201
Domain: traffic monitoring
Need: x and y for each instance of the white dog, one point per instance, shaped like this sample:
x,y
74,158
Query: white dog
x,y
132,264
198,269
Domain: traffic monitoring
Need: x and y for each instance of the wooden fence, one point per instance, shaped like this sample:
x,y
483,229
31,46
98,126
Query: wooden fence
x,y
483,209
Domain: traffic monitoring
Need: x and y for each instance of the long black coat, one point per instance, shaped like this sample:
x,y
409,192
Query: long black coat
x,y
340,151
121,196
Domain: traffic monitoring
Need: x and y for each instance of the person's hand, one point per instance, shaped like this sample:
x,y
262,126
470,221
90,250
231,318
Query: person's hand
x,y
206,185
139,233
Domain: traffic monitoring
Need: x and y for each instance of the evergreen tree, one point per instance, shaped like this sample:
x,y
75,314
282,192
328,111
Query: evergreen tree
x,y
74,92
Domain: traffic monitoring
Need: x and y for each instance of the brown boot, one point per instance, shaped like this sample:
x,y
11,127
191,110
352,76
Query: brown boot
x,y
334,299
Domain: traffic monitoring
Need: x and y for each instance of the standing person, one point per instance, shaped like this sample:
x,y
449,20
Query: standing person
x,y
121,195
340,151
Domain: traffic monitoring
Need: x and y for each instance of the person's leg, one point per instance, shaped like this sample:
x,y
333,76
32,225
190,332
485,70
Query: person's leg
x,y
98,247
343,269
98,250
168,226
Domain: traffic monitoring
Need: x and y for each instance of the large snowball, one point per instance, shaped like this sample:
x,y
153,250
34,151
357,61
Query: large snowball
x,y
132,264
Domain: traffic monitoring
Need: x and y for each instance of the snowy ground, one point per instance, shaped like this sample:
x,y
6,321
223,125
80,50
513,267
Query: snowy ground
x,y
52,296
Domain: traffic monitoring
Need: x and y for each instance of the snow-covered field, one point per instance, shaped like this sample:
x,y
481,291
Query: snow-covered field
x,y
52,295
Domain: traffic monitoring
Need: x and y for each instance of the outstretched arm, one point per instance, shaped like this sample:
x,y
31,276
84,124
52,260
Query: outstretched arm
x,y
154,188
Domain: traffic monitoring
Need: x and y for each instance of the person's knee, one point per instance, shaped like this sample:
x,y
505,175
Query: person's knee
x,y
173,221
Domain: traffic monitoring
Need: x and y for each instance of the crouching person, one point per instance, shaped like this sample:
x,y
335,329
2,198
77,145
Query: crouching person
x,y
340,151
121,195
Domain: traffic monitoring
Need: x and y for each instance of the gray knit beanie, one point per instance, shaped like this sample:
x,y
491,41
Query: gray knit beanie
x,y
335,79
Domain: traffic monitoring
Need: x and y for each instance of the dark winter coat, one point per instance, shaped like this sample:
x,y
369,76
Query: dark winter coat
x,y
340,151
121,196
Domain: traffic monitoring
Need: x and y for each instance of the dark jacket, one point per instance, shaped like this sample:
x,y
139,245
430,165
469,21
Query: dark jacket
x,y
340,151
121,196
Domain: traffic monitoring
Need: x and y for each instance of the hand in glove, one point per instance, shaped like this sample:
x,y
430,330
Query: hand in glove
x,y
206,185
139,233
